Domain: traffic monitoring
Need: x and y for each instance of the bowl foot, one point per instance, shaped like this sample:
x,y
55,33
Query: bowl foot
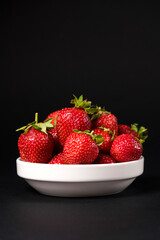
x,y
80,189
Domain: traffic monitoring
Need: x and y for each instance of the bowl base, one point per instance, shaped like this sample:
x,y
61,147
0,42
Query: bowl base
x,y
80,189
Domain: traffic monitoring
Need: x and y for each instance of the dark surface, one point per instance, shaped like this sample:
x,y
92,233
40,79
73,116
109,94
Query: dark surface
x,y
132,214
108,52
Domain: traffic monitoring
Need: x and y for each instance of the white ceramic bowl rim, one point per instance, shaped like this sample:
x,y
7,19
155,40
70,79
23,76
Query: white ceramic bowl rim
x,y
79,172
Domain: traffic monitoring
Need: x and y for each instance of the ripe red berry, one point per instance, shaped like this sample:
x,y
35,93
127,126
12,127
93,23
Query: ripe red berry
x,y
104,159
53,115
125,148
107,120
125,129
57,159
139,132
74,118
107,143
70,119
57,146
36,144
80,148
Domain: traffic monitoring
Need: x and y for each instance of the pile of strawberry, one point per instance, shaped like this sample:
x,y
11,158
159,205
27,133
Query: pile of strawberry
x,y
83,134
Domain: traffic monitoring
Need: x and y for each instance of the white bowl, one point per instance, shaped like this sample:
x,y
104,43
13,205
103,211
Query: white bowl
x,y
80,180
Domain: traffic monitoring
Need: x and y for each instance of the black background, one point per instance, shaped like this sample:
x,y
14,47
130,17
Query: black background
x,y
108,52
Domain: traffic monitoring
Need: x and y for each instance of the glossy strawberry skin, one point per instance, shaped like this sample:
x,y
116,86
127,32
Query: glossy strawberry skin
x,y
126,148
125,129
104,159
108,121
69,119
57,159
57,146
80,149
35,146
107,143
53,115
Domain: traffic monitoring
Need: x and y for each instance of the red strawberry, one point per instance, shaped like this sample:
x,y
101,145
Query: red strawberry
x,y
80,148
125,129
105,119
57,146
142,132
125,148
104,158
35,144
107,136
73,118
134,130
57,159
53,115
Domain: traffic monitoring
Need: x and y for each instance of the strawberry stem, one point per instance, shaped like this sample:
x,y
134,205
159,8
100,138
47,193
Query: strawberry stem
x,y
43,127
36,117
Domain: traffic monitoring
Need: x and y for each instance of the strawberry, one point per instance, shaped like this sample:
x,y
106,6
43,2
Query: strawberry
x,y
125,129
74,118
102,118
57,159
57,146
125,148
36,144
53,115
107,136
81,147
141,133
104,159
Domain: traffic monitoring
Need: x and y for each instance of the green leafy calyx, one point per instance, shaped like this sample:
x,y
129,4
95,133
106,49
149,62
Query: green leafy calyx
x,y
108,130
83,104
98,112
141,131
97,138
41,126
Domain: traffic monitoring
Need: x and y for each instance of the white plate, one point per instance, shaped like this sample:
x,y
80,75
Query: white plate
x,y
80,180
